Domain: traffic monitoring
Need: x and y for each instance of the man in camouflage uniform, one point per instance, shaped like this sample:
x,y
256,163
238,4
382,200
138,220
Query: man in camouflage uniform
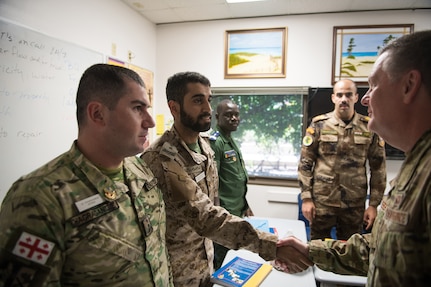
x,y
93,216
397,252
232,173
332,169
183,162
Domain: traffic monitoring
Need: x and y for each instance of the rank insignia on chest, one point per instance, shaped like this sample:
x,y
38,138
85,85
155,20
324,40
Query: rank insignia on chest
x,y
110,194
307,141
230,154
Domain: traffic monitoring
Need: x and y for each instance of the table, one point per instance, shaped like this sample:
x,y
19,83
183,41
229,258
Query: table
x,y
285,227
330,279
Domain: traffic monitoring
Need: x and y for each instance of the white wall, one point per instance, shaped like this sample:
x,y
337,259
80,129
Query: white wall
x,y
200,47
97,24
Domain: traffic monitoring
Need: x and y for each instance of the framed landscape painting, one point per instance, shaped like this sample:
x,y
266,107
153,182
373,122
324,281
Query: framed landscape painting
x,y
355,49
258,53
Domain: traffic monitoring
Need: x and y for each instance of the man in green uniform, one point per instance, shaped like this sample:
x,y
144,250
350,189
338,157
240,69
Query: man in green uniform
x,y
183,162
332,169
398,250
232,174
93,216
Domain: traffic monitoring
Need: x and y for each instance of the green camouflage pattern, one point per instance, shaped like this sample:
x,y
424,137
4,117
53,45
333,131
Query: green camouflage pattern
x,y
400,242
189,184
111,248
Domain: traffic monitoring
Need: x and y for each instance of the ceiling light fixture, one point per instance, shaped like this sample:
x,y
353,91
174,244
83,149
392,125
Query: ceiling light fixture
x,y
242,1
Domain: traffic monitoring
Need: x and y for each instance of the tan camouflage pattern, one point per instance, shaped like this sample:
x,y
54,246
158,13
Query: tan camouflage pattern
x,y
193,220
332,169
107,250
400,242
347,223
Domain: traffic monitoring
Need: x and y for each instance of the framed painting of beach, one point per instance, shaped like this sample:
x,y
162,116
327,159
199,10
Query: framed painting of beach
x,y
258,53
355,49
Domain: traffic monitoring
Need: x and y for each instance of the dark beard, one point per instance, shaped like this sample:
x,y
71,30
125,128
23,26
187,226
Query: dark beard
x,y
188,121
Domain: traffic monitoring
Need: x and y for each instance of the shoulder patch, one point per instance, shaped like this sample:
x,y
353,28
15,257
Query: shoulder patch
x,y
307,140
33,248
214,136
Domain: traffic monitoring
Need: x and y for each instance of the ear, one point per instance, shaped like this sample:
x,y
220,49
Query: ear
x,y
412,82
332,98
95,112
174,107
356,97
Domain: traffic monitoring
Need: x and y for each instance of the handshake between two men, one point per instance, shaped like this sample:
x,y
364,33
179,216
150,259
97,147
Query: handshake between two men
x,y
292,255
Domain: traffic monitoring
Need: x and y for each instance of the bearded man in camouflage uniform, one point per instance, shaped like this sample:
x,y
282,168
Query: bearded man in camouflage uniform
x,y
332,169
397,252
184,164
93,216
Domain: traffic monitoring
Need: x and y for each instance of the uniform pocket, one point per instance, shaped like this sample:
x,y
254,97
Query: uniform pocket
x,y
179,182
113,245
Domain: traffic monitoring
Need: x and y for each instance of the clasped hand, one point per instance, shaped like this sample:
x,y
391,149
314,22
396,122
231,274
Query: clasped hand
x,y
292,255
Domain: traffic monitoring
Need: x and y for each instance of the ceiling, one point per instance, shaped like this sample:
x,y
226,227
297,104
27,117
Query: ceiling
x,y
177,11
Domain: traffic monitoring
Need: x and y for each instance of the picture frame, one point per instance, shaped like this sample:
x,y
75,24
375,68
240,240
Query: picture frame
x,y
257,53
355,49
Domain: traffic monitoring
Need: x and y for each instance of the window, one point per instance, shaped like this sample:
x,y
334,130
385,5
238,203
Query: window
x,y
270,132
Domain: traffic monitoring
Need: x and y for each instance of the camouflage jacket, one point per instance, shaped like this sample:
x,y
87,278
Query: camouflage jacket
x,y
332,168
189,184
398,249
67,224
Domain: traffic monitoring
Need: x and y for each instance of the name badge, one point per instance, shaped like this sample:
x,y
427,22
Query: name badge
x,y
200,176
89,202
89,215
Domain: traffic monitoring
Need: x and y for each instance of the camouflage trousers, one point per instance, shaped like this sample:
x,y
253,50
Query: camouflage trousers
x,y
347,221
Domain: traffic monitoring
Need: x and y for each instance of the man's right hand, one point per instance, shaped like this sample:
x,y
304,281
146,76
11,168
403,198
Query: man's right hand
x,y
292,255
308,209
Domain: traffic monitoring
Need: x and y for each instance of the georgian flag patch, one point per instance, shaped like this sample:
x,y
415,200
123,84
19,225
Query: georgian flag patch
x,y
34,248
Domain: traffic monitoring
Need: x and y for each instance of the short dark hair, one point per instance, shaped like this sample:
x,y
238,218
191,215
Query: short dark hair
x,y
104,83
176,88
412,51
223,103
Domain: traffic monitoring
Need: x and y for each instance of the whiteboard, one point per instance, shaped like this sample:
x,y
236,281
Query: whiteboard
x,y
39,76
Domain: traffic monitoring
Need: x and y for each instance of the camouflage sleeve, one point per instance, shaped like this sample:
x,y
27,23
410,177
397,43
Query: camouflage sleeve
x,y
184,196
39,219
349,257
307,160
377,161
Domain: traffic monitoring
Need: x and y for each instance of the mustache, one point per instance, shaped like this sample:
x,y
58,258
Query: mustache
x,y
344,105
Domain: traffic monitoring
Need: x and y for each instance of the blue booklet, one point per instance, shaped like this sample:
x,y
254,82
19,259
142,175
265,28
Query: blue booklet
x,y
241,272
